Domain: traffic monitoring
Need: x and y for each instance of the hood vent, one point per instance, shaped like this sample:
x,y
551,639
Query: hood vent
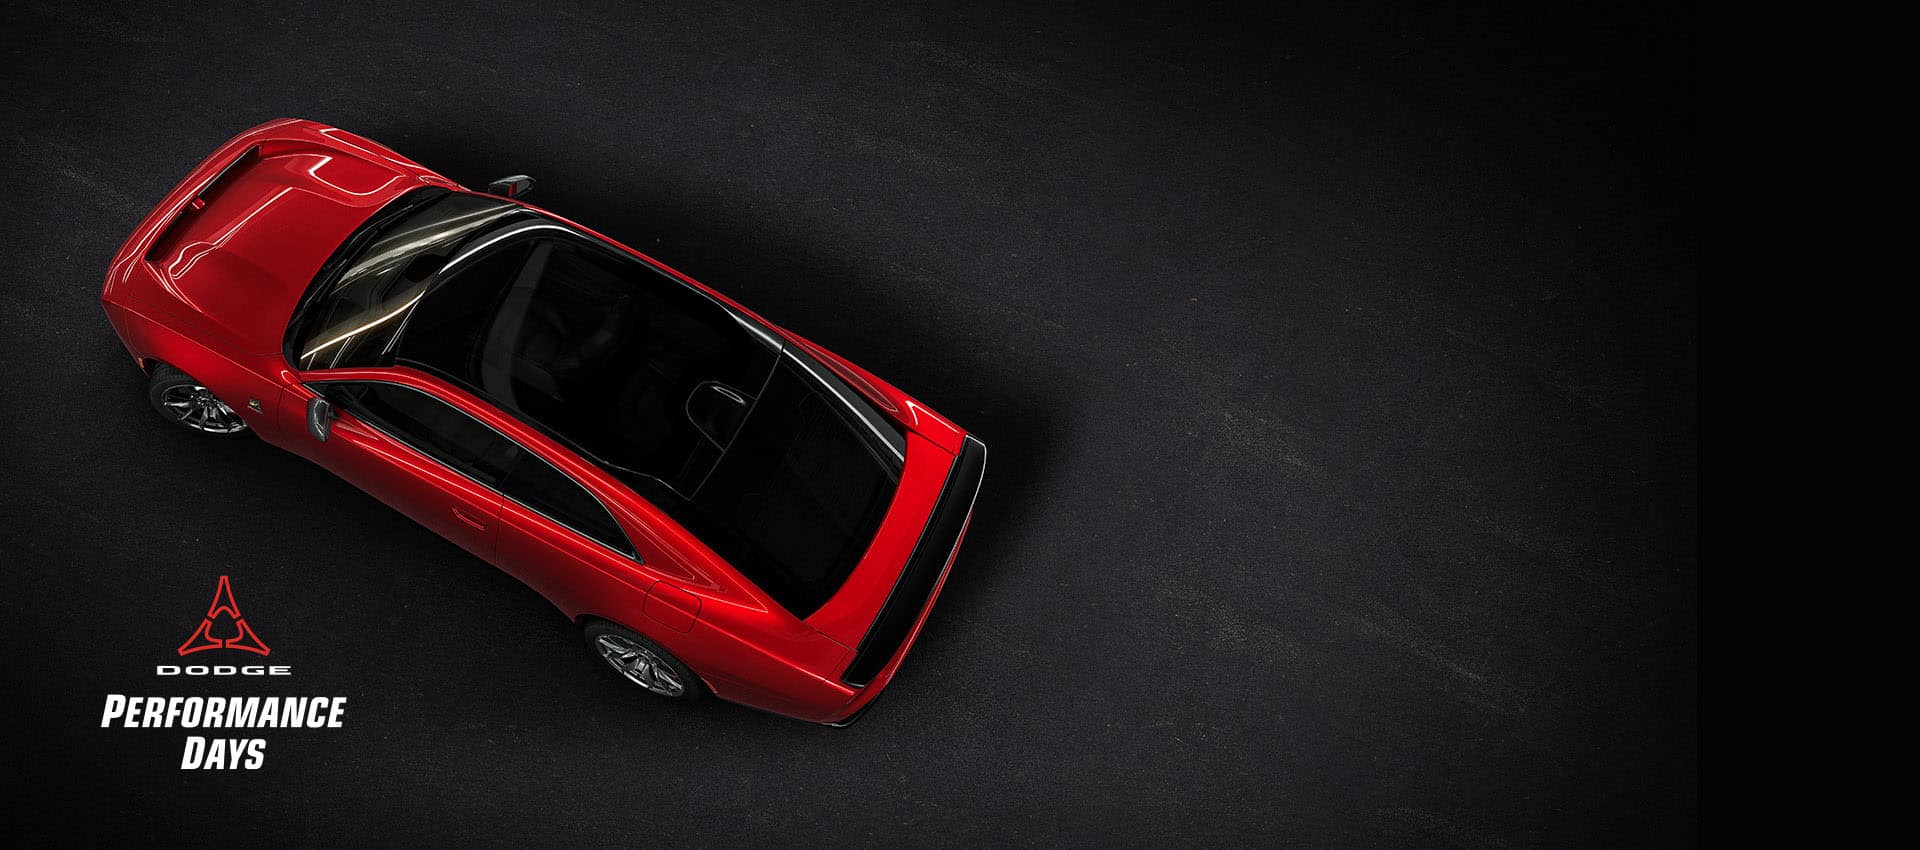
x,y
163,242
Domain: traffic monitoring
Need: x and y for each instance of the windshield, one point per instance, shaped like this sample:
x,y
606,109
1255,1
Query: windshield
x,y
355,316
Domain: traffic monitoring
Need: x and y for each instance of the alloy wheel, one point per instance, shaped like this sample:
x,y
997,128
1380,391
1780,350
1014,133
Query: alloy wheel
x,y
640,665
195,407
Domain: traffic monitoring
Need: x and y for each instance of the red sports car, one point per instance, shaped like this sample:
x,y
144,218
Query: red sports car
x,y
722,505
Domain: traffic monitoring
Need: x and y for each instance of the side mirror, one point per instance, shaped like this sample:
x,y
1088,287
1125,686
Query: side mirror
x,y
320,418
512,186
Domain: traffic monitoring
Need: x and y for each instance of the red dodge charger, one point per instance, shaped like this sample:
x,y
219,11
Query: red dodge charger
x,y
722,505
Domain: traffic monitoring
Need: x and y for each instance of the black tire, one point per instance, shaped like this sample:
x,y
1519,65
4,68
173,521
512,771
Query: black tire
x,y
691,688
183,401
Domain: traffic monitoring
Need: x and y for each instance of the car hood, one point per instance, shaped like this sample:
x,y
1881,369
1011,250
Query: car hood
x,y
242,250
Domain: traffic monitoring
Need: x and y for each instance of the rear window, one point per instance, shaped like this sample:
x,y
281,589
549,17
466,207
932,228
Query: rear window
x,y
799,495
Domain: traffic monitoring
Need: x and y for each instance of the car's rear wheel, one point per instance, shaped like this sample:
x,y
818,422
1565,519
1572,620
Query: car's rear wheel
x,y
642,662
189,404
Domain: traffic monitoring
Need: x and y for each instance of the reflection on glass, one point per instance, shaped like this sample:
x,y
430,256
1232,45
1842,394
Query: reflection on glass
x,y
355,320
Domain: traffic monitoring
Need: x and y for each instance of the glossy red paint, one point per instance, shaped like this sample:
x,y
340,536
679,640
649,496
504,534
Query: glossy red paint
x,y
207,284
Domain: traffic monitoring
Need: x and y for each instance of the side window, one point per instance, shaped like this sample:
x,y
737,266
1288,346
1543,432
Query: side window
x,y
462,442
532,482
430,425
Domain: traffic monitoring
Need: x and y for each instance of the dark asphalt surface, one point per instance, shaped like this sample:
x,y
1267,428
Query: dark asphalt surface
x,y
1339,366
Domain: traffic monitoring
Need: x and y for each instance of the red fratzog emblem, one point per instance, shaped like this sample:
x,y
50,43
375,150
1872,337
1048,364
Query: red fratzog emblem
x,y
224,606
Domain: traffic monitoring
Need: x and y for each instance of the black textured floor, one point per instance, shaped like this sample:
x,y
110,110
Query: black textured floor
x,y
1340,369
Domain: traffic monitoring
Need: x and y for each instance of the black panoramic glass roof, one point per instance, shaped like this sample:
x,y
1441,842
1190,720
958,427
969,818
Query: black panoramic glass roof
x,y
760,451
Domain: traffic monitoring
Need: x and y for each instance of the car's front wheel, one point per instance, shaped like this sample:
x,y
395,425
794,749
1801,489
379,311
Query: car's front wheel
x,y
642,661
189,404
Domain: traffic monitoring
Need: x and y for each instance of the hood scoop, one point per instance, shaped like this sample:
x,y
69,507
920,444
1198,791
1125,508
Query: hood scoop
x,y
167,242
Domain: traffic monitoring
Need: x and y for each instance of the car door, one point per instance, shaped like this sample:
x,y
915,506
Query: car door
x,y
556,536
415,452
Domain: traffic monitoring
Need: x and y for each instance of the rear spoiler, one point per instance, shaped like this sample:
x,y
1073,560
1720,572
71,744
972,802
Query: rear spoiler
x,y
928,564
162,245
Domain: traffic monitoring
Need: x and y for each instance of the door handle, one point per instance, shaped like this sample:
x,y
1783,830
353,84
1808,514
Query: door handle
x,y
470,517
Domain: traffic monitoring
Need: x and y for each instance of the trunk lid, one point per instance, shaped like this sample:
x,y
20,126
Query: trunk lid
x,y
874,614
